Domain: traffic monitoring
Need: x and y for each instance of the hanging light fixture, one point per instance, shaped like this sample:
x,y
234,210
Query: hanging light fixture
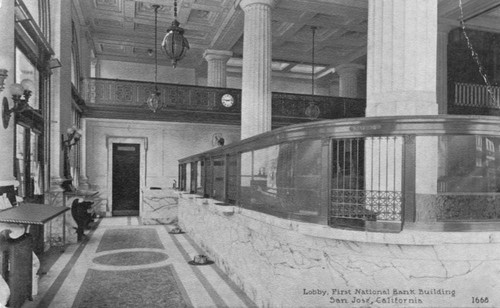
x,y
312,111
174,43
154,102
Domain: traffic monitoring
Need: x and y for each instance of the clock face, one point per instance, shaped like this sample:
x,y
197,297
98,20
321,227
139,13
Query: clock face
x,y
227,100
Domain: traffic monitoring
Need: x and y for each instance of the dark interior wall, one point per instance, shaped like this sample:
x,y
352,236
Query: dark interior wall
x,y
463,66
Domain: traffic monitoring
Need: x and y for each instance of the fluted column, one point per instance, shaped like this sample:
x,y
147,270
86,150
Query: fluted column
x,y
349,79
402,51
256,79
61,117
401,80
7,61
60,90
217,60
442,68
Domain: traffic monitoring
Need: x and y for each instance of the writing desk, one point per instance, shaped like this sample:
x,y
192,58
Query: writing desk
x,y
33,214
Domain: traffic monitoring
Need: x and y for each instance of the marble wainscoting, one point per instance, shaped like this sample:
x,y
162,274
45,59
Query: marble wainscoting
x,y
284,263
159,206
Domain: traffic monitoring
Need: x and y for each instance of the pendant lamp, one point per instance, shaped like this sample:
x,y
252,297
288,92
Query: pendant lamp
x,y
175,44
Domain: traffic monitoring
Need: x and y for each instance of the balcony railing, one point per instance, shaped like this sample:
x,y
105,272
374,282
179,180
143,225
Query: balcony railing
x,y
375,174
475,99
111,98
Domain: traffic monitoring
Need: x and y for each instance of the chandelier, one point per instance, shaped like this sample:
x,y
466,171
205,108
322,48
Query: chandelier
x,y
154,102
175,44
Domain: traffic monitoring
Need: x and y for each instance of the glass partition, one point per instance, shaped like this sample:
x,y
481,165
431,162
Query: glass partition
x,y
182,177
194,177
429,172
232,179
468,178
200,182
219,182
284,180
209,178
188,178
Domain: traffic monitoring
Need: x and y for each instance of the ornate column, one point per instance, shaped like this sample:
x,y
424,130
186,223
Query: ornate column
x,y
256,79
217,60
442,68
402,51
7,63
401,80
349,79
60,115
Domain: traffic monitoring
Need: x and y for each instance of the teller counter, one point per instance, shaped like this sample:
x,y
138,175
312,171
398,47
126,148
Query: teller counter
x,y
386,211
159,206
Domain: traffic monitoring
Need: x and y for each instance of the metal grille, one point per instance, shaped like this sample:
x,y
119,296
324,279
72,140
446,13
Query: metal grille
x,y
367,204
232,179
367,178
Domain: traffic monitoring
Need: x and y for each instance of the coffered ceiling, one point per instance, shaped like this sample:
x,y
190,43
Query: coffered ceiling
x,y
123,30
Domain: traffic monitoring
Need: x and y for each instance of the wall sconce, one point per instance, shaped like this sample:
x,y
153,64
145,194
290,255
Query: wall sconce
x,y
3,76
73,136
20,96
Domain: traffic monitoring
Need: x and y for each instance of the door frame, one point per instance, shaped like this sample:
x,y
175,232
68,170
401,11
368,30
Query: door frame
x,y
143,148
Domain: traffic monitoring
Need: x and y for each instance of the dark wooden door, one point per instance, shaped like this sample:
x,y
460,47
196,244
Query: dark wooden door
x,y
126,179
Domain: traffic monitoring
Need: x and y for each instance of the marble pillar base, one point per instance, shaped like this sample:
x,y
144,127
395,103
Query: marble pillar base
x,y
159,206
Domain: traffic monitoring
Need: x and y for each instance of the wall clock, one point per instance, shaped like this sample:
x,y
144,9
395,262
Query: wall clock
x,y
227,100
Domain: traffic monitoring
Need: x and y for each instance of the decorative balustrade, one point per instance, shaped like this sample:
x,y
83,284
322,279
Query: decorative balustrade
x,y
109,97
475,99
375,174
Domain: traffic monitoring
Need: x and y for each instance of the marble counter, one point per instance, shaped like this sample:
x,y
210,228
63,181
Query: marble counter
x,y
159,206
284,263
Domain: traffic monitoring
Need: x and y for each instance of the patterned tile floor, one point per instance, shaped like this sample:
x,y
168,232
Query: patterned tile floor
x,y
125,264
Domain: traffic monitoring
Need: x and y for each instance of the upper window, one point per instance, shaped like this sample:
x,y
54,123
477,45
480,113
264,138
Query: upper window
x,y
27,75
37,11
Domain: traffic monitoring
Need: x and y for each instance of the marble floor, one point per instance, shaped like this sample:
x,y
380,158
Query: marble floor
x,y
122,263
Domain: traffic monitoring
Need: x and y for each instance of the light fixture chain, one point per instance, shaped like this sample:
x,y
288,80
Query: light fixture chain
x,y
156,49
475,56
175,9
313,28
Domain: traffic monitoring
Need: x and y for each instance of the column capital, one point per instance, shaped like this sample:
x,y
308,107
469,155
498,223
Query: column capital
x,y
349,68
245,3
212,54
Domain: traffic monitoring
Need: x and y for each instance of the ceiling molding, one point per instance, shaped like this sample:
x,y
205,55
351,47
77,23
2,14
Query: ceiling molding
x,y
123,30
